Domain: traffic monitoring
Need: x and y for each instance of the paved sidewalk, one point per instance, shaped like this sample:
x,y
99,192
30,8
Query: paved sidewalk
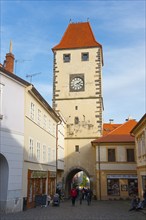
x,y
98,210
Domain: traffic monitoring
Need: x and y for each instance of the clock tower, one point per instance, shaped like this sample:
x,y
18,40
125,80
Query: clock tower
x,y
77,95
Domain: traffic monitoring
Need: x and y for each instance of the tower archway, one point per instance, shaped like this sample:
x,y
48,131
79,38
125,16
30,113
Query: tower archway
x,y
69,176
4,173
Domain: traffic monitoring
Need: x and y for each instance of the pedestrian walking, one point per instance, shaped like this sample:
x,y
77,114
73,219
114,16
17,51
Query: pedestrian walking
x,y
73,194
80,196
89,196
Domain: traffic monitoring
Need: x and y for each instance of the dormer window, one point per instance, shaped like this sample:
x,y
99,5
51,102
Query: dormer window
x,y
85,56
66,58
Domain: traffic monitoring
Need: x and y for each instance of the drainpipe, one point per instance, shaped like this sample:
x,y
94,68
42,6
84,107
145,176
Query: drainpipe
x,y
56,153
99,169
57,149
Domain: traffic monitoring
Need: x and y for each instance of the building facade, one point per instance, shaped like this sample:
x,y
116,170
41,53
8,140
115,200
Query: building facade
x,y
28,143
139,132
77,94
11,141
40,144
116,176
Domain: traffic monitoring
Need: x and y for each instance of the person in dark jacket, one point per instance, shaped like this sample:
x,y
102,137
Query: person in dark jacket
x,y
134,203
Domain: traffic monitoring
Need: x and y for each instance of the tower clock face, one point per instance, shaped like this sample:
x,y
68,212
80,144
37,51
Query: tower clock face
x,y
77,84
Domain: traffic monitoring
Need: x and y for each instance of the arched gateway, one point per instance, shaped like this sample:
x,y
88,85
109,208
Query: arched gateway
x,y
4,173
77,95
69,176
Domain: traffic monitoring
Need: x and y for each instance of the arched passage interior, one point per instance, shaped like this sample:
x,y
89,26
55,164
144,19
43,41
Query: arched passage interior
x,y
69,178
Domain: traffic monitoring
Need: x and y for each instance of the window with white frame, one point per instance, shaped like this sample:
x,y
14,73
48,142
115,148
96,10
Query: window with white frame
x,y
44,153
45,121
38,153
31,148
39,116
32,111
49,125
49,154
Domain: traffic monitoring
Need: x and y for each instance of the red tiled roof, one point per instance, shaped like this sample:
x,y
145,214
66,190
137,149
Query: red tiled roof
x,y
77,35
108,127
119,134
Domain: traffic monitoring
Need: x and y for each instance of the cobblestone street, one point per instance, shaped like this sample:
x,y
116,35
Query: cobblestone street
x,y
98,210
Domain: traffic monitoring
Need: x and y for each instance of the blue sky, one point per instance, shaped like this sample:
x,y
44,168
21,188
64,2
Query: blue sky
x,y
36,26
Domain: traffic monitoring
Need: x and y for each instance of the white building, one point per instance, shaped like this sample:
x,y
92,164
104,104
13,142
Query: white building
x,y
11,141
28,143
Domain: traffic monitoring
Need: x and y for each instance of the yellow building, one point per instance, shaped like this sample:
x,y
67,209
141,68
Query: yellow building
x,y
139,132
40,144
116,175
77,94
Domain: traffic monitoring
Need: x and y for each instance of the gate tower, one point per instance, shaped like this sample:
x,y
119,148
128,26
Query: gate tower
x,y
77,94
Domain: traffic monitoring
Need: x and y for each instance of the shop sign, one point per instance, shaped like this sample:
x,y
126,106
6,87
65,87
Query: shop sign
x,y
38,174
122,176
52,174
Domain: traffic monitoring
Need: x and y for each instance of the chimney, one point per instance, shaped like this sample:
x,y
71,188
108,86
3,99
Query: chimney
x,y
111,121
9,62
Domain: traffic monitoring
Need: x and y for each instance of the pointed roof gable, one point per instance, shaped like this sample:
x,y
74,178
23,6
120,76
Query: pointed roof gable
x,y
77,35
119,134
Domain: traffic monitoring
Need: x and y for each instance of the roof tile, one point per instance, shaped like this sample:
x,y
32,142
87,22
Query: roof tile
x,y
77,35
120,134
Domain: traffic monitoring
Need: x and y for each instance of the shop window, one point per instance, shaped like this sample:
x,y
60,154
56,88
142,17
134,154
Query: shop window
x,y
132,187
66,58
130,155
111,155
113,187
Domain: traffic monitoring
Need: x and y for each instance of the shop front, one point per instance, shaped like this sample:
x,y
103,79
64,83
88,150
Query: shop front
x,y
36,186
40,183
122,186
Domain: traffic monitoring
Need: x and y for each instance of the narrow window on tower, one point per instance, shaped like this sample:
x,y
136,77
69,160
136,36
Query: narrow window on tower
x,y
66,58
76,107
85,56
76,120
77,148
